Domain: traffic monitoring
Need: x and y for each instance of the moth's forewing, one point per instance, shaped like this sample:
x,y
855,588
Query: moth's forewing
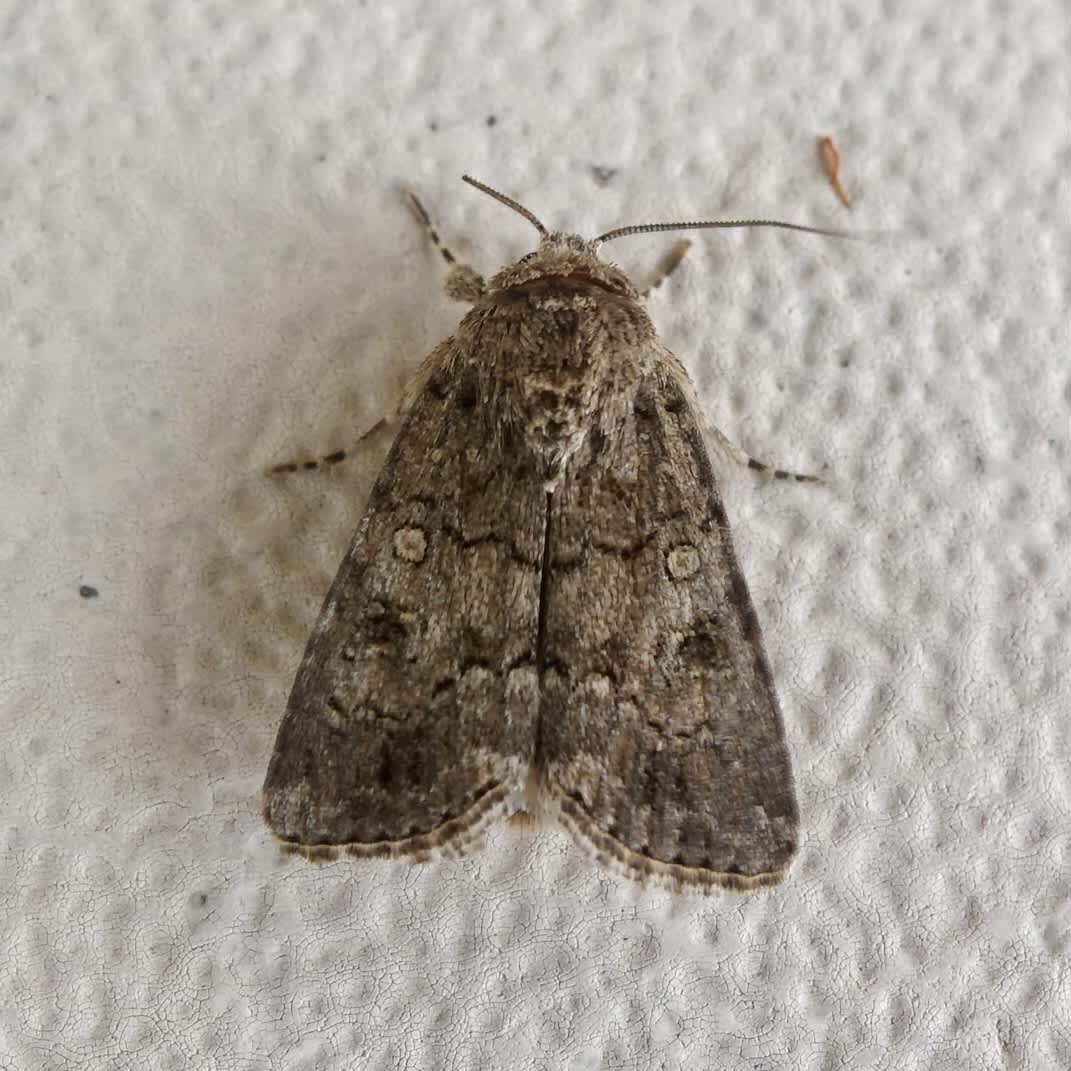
x,y
413,715
661,734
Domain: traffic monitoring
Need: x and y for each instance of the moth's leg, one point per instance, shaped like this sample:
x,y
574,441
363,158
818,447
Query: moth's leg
x,y
742,457
717,437
419,379
463,283
326,460
668,266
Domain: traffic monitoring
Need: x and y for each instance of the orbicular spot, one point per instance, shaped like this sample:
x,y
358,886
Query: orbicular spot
x,y
682,562
410,544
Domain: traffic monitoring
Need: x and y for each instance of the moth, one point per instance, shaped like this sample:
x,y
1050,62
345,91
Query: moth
x,y
542,609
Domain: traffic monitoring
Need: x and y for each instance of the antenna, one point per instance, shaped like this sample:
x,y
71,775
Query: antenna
x,y
509,202
712,224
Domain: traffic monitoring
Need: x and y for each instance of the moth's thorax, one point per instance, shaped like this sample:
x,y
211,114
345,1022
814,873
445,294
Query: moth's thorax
x,y
564,341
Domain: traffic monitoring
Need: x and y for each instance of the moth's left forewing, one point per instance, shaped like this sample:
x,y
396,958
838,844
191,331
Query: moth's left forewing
x,y
412,719
661,740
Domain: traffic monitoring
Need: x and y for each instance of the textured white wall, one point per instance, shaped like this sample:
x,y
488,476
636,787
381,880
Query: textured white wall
x,y
206,267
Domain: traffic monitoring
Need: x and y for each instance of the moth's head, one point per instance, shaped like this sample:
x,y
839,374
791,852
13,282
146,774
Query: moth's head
x,y
567,257
559,257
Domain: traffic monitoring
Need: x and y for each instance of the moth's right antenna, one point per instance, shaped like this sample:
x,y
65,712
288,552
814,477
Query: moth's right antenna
x,y
508,201
703,224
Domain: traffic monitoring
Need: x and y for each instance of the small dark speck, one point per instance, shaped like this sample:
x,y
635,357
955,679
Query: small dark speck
x,y
321,158
603,175
433,125
845,362
491,120
88,592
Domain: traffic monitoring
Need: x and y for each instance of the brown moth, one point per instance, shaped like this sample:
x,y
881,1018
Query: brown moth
x,y
542,608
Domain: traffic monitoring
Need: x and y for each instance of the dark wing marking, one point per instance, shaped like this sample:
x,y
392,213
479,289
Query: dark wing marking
x,y
660,736
414,712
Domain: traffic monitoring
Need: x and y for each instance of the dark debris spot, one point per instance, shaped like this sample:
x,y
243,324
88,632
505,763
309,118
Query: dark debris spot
x,y
603,175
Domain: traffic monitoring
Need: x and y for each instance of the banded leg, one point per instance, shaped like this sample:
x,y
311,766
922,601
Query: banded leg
x,y
668,266
325,460
736,453
742,457
463,283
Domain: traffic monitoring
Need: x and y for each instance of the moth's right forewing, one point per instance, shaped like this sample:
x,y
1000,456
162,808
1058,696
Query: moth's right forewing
x,y
413,715
661,737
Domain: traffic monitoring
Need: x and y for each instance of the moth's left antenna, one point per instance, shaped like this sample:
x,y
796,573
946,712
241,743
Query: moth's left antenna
x,y
508,201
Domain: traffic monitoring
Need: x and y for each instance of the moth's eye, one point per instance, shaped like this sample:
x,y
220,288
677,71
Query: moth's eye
x,y
527,257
